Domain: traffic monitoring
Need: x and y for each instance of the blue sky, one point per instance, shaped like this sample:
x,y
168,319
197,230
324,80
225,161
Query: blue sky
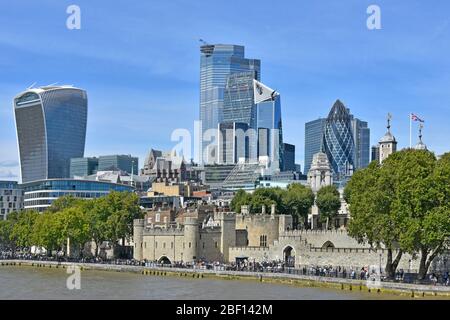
x,y
139,62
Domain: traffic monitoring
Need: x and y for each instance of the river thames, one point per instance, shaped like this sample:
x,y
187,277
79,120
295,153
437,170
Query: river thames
x,y
40,283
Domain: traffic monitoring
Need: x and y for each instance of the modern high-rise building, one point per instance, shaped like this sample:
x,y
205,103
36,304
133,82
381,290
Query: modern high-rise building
x,y
51,129
81,167
269,117
125,163
342,137
11,198
289,157
375,153
233,142
361,136
217,63
338,141
313,140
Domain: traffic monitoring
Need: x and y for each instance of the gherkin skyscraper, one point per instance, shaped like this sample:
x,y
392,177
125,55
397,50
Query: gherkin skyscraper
x,y
338,142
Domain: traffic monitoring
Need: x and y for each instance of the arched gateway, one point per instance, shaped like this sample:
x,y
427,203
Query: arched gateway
x,y
164,260
289,256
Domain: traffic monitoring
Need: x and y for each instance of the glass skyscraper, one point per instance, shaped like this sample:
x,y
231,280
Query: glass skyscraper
x,y
51,129
269,117
217,62
361,136
313,141
338,141
116,162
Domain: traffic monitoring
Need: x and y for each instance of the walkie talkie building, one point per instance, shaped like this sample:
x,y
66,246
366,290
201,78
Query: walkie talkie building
x,y
51,129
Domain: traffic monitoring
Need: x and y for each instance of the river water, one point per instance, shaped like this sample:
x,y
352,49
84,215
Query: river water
x,y
42,283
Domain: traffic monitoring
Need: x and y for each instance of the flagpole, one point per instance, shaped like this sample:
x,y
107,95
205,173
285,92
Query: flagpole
x,y
410,131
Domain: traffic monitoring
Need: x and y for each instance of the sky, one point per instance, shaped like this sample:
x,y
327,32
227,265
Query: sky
x,y
139,62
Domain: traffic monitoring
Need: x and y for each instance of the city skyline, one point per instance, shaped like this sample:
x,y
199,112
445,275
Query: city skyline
x,y
133,95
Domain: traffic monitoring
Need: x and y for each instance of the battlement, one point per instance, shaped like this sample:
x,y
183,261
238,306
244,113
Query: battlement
x,y
248,248
163,232
313,232
138,222
222,215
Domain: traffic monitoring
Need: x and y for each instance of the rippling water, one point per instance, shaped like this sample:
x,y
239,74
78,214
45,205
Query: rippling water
x,y
42,283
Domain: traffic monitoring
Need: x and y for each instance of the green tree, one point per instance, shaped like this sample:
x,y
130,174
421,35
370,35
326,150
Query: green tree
x,y
369,196
64,202
6,227
241,198
122,208
22,228
97,215
298,200
74,227
47,232
328,201
422,196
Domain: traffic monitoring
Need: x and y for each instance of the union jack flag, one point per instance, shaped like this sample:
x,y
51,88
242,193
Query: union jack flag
x,y
416,118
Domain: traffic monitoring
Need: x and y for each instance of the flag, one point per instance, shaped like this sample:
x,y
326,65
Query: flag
x,y
263,92
416,118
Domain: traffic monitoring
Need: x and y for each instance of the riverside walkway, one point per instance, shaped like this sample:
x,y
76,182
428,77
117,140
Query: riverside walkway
x,y
415,290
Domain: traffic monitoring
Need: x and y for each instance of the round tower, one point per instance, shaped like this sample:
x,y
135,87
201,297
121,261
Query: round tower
x,y
191,232
138,238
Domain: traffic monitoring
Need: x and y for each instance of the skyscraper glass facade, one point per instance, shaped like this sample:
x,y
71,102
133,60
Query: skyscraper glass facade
x,y
125,163
289,157
313,140
217,62
361,136
269,117
338,142
51,129
81,167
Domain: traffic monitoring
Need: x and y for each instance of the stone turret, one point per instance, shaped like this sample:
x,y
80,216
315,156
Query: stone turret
x,y
228,233
138,232
388,144
420,145
319,175
191,232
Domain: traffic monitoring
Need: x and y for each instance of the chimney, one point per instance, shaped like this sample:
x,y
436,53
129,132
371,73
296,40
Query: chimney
x,y
263,209
272,211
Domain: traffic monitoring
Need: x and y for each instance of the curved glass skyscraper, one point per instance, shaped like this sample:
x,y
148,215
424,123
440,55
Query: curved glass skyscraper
x,y
51,129
338,142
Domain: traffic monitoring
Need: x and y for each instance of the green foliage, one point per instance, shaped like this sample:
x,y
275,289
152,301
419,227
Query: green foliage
x,y
299,200
403,203
296,200
328,201
109,218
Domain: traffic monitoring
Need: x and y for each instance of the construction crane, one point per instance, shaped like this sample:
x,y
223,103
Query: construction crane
x,y
204,42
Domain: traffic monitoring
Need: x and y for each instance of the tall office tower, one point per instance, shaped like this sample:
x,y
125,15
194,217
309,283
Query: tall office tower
x,y
375,153
263,143
313,141
125,163
289,157
82,167
217,62
51,129
338,142
361,136
268,108
233,142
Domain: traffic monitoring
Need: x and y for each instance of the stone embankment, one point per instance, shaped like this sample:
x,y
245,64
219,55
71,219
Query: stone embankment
x,y
414,290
